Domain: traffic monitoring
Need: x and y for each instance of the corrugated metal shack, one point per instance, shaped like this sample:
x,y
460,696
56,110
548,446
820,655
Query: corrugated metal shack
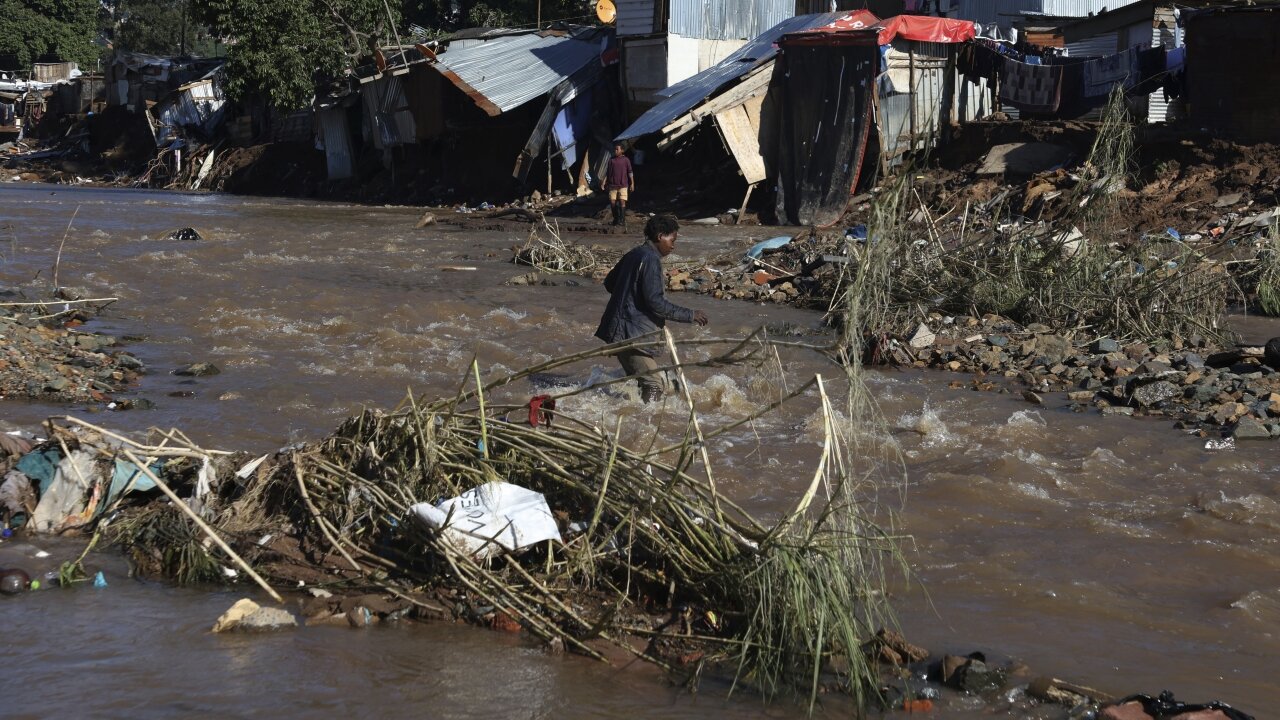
x,y
666,41
853,98
732,93
491,106
913,85
549,97
195,107
1233,59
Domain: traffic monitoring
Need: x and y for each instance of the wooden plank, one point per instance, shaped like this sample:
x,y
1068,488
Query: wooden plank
x,y
754,85
742,137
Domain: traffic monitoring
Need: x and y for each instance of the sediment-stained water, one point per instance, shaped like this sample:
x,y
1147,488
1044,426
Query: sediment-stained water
x,y
1114,552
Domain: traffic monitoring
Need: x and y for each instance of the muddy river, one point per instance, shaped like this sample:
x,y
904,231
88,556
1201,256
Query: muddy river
x,y
1117,553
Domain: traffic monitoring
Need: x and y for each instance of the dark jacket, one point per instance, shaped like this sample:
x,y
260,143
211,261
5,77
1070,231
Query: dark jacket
x,y
637,305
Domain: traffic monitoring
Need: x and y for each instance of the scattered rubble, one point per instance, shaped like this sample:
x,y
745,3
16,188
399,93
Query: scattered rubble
x,y
45,355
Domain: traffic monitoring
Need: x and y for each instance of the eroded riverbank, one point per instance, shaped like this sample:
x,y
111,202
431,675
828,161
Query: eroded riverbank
x,y
1039,533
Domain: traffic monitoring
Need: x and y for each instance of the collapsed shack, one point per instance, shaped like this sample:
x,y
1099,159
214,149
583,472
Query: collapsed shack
x,y
636,550
895,86
483,116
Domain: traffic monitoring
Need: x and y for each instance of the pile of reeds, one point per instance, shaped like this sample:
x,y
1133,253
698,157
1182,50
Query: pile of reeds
x,y
547,251
655,555
1080,276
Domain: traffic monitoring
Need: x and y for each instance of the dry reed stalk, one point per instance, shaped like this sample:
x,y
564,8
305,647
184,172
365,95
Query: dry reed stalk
x,y
57,261
651,528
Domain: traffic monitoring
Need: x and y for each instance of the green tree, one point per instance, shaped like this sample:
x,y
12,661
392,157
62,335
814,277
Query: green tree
x,y
160,27
64,29
525,13
278,49
450,15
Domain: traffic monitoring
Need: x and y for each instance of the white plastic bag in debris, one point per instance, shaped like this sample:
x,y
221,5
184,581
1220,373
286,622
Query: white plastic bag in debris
x,y
490,517
65,500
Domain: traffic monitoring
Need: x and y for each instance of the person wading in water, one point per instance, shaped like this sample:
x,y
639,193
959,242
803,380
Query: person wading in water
x,y
638,304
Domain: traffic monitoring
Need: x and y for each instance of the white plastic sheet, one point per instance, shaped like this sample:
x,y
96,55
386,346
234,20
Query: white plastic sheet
x,y
492,517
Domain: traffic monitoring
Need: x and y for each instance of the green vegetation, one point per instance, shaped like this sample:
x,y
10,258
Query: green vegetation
x,y
35,30
160,27
1146,288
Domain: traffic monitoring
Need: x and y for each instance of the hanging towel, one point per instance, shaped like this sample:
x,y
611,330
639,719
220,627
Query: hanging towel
x,y
1101,74
1034,88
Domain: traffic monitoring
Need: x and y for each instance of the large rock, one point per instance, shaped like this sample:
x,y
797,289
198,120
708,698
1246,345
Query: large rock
x,y
1152,394
1024,158
1053,348
200,369
1203,393
1250,429
234,614
976,677
268,619
1105,345
248,615
1271,353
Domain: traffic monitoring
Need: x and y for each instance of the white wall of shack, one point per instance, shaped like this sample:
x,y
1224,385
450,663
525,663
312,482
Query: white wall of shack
x,y
912,98
711,52
682,58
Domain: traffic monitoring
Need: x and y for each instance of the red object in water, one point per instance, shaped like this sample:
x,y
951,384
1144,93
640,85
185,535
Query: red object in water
x,y
541,410
920,705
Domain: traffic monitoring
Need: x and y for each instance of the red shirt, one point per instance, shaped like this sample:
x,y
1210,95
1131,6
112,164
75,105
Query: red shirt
x,y
619,174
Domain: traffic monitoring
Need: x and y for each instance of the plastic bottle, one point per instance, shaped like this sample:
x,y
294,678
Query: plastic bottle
x,y
47,581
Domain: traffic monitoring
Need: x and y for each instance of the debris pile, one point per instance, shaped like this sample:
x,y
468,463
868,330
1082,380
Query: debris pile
x,y
488,513
44,355
1233,392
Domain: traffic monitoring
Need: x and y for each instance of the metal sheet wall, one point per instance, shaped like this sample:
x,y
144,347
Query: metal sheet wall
x,y
337,142
644,65
635,17
727,19
1164,33
1008,13
1080,8
388,121
1096,46
992,12
912,102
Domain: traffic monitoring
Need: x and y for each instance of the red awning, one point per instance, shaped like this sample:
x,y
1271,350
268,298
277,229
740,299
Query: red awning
x,y
922,28
861,28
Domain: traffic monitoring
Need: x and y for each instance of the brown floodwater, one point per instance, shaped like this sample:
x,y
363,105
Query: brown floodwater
x,y
1117,553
